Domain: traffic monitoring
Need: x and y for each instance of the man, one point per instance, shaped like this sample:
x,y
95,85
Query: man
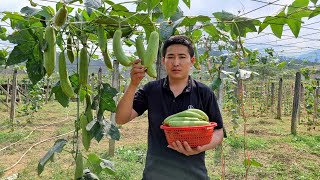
x,y
173,94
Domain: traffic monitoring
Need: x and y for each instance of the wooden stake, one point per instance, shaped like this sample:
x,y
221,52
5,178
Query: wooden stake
x,y
295,105
116,85
13,97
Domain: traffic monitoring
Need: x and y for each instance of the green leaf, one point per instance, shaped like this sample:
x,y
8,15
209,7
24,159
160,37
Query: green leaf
x,y
315,12
242,26
59,95
177,15
216,83
56,148
192,20
29,11
166,30
47,12
119,8
34,65
21,37
252,162
152,4
107,166
98,164
224,16
187,3
143,19
297,6
239,26
212,31
106,98
196,35
3,56
277,22
282,64
94,162
142,6
295,26
3,35
114,132
19,54
169,7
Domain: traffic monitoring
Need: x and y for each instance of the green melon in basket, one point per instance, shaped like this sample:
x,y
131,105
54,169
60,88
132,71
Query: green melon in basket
x,y
189,117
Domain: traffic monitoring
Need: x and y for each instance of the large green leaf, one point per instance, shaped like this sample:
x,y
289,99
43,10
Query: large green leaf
x,y
252,162
215,83
169,7
60,95
315,12
3,56
212,31
47,12
166,30
34,65
239,26
3,35
21,37
118,8
151,4
29,11
141,6
295,26
177,15
98,164
296,11
192,20
297,6
196,35
224,16
56,148
107,93
19,54
277,22
143,20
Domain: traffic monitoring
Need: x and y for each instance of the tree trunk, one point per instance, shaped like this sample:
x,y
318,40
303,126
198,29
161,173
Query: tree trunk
x,y
161,72
116,85
279,100
295,105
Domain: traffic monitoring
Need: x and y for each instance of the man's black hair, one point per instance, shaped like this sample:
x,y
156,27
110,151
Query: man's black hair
x,y
178,39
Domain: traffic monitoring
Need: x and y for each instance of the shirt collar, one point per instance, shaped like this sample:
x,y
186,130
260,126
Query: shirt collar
x,y
188,88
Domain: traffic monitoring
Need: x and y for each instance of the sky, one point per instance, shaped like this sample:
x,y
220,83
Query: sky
x,y
288,45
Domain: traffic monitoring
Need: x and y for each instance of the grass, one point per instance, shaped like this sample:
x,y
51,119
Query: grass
x,y
282,155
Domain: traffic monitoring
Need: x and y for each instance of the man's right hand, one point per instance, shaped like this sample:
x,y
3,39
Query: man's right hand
x,y
138,72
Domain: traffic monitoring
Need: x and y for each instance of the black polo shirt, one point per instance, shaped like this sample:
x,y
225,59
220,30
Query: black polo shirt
x,y
163,163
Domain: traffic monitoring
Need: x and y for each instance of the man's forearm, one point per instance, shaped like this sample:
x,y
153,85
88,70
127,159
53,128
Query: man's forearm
x,y
124,107
217,138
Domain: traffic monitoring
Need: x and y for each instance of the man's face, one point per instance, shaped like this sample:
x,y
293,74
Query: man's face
x,y
177,61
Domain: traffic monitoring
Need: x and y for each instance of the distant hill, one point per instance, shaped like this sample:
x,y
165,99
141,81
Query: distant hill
x,y
313,56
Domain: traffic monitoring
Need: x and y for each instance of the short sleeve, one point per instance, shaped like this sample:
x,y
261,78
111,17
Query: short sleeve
x,y
213,111
140,101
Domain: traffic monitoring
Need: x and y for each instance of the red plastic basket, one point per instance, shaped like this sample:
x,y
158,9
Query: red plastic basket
x,y
194,135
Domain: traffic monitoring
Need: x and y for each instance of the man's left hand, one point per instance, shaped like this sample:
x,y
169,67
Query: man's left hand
x,y
184,148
